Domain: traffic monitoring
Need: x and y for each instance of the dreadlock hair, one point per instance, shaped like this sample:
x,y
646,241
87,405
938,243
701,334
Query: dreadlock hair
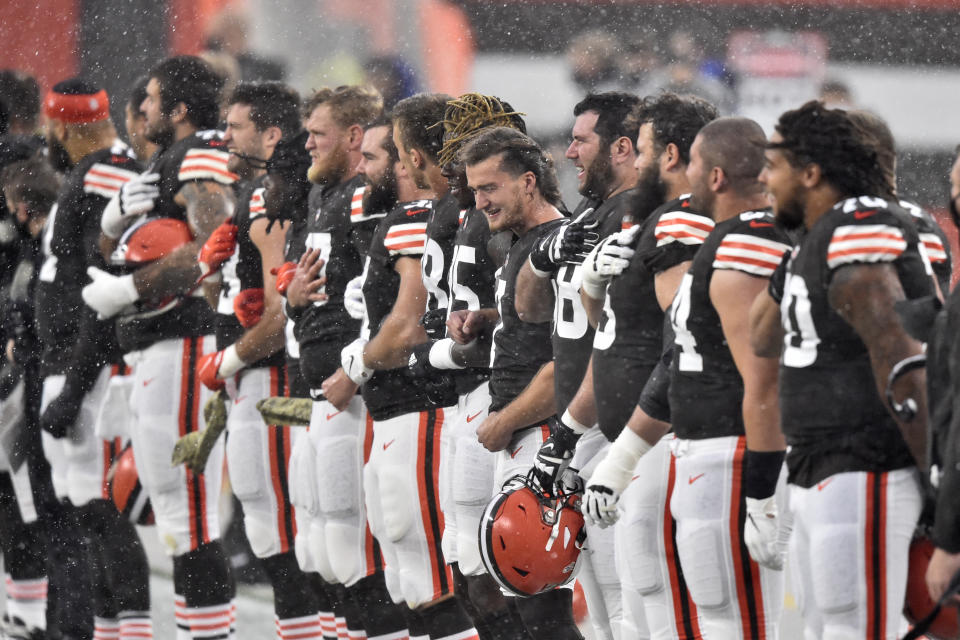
x,y
675,119
385,120
519,153
272,104
846,154
417,121
613,109
465,117
349,104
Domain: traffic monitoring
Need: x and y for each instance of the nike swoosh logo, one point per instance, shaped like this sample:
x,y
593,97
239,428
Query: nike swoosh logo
x,y
330,416
514,453
757,225
821,485
693,479
239,400
860,215
148,381
634,478
387,444
416,211
474,416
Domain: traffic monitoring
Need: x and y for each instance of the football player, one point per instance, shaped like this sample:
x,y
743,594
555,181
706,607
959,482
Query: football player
x,y
164,329
80,354
548,286
30,188
334,242
249,361
629,280
853,459
466,468
135,122
515,186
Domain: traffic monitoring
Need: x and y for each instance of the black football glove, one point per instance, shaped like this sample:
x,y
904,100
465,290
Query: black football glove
x,y
434,322
554,456
61,414
570,243
419,365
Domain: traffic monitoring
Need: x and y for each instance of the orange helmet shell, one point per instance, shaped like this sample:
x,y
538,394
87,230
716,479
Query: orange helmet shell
x,y
917,604
151,239
125,490
530,543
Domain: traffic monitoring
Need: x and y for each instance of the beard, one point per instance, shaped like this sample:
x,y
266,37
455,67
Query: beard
x,y
598,178
57,155
331,169
789,215
160,133
650,193
381,195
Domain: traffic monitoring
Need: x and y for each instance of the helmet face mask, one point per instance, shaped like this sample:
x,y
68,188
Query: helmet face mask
x,y
531,543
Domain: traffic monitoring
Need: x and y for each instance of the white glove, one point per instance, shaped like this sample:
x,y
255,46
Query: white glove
x,y
108,294
611,477
608,259
353,299
136,197
766,533
351,359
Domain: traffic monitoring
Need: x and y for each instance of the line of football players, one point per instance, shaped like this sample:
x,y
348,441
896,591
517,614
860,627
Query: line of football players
x,y
657,393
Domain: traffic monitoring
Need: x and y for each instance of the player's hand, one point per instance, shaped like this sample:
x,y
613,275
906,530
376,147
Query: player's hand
x,y
493,433
136,197
218,248
248,306
353,299
338,389
434,323
61,413
941,570
284,273
554,456
778,279
464,326
108,294
307,284
419,364
214,368
608,259
351,359
764,534
611,477
569,243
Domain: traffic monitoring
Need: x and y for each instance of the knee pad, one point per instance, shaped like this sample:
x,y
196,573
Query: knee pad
x,y
834,558
262,533
248,476
473,479
152,448
398,502
301,548
701,557
339,476
638,550
302,477
468,552
318,551
344,543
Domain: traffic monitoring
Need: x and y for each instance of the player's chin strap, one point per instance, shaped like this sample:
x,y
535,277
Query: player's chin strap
x,y
906,411
253,161
923,625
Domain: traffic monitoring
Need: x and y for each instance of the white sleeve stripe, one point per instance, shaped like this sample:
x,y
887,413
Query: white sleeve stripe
x,y
860,243
107,191
207,154
680,217
412,227
206,173
763,267
753,243
935,249
112,173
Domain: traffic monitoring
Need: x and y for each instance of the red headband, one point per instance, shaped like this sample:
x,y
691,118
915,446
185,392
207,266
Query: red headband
x,y
77,109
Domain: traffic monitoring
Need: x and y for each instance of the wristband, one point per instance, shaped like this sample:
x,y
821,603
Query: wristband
x,y
230,363
573,424
441,355
761,471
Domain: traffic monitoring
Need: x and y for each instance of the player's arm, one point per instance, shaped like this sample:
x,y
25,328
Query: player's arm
x,y
583,407
534,295
766,328
761,405
207,203
535,404
266,337
666,283
864,295
401,330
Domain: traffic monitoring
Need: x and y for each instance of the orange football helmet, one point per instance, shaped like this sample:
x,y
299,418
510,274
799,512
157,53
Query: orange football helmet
x,y
917,604
125,490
